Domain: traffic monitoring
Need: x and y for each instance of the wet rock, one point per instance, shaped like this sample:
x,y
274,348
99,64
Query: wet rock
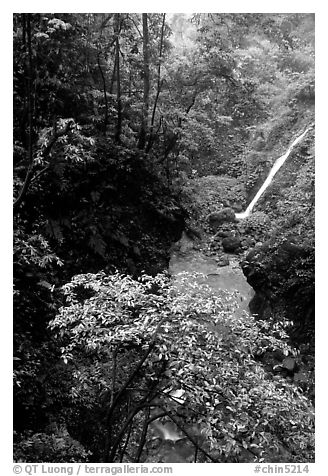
x,y
216,219
130,264
222,234
231,243
255,272
223,262
280,274
247,243
237,207
278,355
136,251
287,252
260,304
193,233
289,363
301,377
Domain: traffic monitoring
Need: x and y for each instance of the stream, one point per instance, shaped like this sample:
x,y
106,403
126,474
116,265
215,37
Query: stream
x,y
173,446
227,278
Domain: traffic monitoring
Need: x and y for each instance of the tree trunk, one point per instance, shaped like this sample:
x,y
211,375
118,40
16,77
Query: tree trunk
x,y
159,85
104,91
146,74
118,79
29,68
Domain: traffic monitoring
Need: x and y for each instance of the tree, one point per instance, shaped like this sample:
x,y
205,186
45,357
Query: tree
x,y
146,82
179,337
159,85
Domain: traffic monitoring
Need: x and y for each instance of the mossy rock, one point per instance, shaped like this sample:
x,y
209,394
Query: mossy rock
x,y
231,243
216,219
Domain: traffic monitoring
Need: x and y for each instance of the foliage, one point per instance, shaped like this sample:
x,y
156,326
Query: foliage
x,y
298,199
193,341
33,250
256,225
42,447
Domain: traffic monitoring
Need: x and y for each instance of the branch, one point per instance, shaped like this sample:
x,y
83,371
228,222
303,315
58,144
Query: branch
x,y
41,172
127,436
202,414
190,438
196,454
56,135
29,174
110,453
127,383
113,376
143,435
131,18
24,188
229,78
192,101
126,442
116,399
157,416
136,370
106,20
191,83
159,86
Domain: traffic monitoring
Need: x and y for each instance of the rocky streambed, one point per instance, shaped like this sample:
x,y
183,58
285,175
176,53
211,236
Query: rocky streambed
x,y
190,256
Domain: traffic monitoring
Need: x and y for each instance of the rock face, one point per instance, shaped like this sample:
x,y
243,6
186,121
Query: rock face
x,y
283,281
216,219
231,243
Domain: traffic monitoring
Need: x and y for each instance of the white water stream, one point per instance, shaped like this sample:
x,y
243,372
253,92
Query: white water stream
x,y
279,162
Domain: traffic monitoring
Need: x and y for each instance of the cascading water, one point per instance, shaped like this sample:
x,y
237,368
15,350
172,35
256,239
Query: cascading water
x,y
279,162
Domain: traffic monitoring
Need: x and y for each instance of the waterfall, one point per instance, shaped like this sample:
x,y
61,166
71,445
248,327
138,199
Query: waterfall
x,y
279,162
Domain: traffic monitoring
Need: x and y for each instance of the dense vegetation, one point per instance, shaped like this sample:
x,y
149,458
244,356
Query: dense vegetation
x,y
129,129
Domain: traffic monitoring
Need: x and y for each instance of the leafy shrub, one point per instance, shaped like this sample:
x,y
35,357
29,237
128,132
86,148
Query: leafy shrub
x,y
45,448
180,336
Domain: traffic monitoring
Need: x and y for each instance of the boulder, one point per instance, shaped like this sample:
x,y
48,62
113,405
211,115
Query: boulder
x,y
222,234
254,270
223,262
282,277
289,363
231,243
238,208
247,243
216,219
